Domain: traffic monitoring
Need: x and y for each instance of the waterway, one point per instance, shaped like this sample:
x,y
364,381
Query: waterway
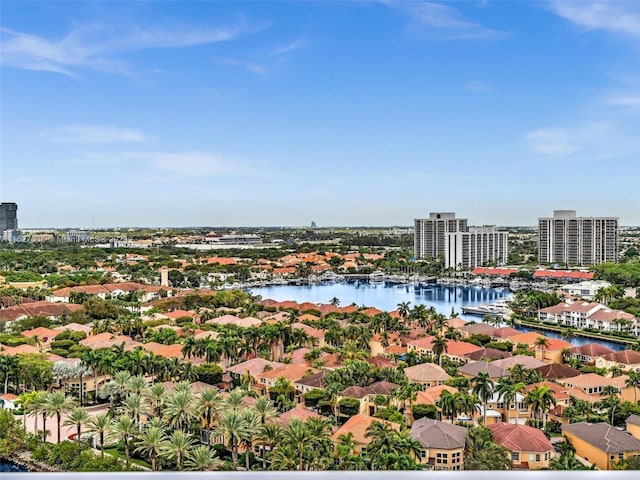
x,y
10,467
386,297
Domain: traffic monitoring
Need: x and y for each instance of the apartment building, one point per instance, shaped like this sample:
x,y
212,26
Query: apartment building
x,y
583,315
430,233
568,239
8,216
475,248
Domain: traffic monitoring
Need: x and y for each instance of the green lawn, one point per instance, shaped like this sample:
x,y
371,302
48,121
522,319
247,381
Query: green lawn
x,y
114,452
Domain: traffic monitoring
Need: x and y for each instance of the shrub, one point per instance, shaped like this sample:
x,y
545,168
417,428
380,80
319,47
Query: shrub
x,y
209,373
312,398
349,406
420,411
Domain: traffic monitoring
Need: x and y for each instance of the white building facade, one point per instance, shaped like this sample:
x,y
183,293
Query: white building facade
x,y
476,248
429,236
566,238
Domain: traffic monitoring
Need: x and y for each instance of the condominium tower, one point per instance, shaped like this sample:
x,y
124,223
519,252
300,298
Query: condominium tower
x,y
8,217
565,238
430,233
476,247
442,234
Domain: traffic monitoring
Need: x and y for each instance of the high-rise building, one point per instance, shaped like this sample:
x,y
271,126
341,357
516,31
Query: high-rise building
x,y
8,217
476,247
430,233
581,241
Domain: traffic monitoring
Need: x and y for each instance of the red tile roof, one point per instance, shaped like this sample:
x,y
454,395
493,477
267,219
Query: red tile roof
x,y
520,438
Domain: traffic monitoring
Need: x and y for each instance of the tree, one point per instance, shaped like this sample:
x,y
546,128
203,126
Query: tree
x,y
541,343
77,417
202,459
232,427
483,388
391,449
101,424
209,373
269,435
57,404
297,437
541,399
251,420
180,410
482,453
177,447
207,407
633,382
439,346
8,368
151,443
124,428
509,392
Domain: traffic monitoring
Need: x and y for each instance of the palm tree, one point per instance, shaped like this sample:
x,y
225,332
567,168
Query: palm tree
x,y
155,396
439,346
151,443
269,435
207,406
100,424
57,404
541,343
124,428
202,459
251,420
633,382
483,388
404,310
34,407
180,409
91,359
232,426
541,399
137,384
8,367
335,301
77,417
133,406
508,392
265,408
298,437
177,447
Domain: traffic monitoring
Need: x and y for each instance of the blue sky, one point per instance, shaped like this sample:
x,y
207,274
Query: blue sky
x,y
209,113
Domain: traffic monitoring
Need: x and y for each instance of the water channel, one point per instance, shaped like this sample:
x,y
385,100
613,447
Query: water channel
x,y
387,296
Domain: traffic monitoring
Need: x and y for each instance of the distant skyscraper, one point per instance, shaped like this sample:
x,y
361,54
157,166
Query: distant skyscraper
x,y
313,224
430,233
581,241
8,217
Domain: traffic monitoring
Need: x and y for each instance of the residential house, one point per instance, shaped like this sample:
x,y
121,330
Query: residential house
x,y
633,425
310,382
477,329
372,398
556,371
43,336
553,351
8,401
471,370
53,311
497,410
253,368
488,354
427,374
524,360
290,372
600,443
589,352
530,449
626,360
357,425
442,444
581,315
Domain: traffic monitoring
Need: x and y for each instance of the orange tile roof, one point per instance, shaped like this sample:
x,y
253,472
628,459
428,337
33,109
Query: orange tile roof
x,y
358,425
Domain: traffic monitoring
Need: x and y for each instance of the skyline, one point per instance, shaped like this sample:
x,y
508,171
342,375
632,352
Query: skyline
x,y
346,113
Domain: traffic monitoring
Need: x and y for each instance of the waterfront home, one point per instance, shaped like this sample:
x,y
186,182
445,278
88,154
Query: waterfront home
x,y
589,352
594,384
477,329
551,352
442,444
600,443
625,360
530,449
357,425
111,290
581,315
503,333
556,371
528,338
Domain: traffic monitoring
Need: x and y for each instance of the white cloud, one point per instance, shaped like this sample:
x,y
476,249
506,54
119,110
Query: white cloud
x,y
188,164
477,86
96,134
615,16
290,47
443,21
630,101
586,142
96,46
249,66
